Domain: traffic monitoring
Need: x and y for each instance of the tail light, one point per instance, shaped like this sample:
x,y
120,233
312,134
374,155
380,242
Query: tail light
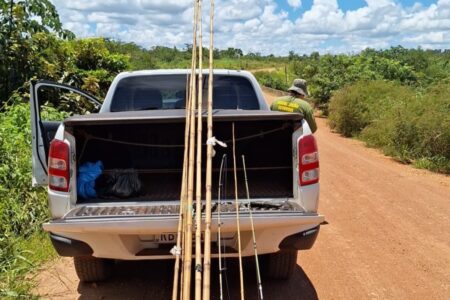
x,y
308,160
58,166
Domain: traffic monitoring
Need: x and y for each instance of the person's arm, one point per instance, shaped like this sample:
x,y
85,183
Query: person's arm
x,y
311,122
272,106
308,114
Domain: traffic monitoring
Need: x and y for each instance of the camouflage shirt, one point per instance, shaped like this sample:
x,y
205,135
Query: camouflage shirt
x,y
292,104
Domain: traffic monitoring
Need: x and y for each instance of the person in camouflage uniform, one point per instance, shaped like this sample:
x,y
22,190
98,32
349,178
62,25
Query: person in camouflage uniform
x,y
295,102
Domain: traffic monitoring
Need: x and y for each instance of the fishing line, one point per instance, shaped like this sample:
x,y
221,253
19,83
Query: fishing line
x,y
258,273
219,225
238,225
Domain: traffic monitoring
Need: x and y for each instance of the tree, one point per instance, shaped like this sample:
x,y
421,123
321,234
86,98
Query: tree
x,y
139,57
19,22
292,55
231,53
93,65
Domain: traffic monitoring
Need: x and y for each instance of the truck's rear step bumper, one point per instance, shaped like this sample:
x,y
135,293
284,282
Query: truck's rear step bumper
x,y
168,223
128,231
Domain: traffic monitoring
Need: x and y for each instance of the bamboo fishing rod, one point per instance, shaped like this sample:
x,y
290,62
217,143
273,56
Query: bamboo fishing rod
x,y
209,155
186,290
188,123
182,211
198,189
258,272
178,251
238,225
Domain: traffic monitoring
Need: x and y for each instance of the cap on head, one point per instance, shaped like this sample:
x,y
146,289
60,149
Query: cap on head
x,y
299,86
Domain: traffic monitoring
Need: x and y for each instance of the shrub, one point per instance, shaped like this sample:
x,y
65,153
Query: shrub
x,y
272,79
356,106
416,131
414,128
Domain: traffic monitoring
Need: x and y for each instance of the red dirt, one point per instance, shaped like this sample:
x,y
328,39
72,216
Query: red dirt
x,y
388,237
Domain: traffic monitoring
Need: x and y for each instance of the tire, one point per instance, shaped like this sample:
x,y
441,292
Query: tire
x,y
90,268
281,265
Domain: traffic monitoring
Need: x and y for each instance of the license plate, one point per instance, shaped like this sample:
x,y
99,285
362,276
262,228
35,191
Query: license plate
x,y
166,238
171,238
163,238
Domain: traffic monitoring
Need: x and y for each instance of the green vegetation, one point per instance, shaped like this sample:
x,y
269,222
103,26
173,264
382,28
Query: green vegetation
x,y
26,256
275,79
328,73
413,127
34,45
159,57
22,208
27,47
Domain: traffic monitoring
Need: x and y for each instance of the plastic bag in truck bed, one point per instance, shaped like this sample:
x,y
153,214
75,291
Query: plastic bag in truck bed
x,y
121,183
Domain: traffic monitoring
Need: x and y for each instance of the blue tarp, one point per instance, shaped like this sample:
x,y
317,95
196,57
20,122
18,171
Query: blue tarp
x,y
87,174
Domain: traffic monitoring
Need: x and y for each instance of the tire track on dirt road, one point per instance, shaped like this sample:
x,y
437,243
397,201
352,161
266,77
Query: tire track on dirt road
x,y
388,237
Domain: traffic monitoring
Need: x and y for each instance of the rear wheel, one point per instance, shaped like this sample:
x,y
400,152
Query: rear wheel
x,y
281,265
90,268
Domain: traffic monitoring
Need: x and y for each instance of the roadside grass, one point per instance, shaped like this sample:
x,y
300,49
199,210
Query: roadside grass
x,y
17,273
23,208
436,164
411,126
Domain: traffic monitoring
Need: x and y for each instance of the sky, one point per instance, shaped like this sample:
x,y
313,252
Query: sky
x,y
267,26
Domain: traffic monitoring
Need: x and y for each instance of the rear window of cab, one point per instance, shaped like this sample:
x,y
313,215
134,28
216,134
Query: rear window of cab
x,y
153,92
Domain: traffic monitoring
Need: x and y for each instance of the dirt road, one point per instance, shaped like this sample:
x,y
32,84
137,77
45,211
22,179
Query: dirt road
x,y
388,237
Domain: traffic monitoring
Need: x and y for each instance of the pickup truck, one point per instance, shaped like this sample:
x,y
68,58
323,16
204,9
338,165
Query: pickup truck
x,y
140,127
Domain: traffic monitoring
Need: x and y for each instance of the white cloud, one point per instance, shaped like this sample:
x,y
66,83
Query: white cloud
x,y
323,17
171,6
262,26
428,38
295,3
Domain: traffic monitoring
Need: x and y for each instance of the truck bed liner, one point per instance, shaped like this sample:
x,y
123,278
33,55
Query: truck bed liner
x,y
155,153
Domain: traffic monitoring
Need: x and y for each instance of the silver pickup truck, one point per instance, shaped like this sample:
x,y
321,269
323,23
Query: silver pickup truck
x,y
140,127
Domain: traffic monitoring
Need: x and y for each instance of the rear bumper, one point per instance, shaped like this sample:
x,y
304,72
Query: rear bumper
x,y
127,238
300,241
70,247
168,224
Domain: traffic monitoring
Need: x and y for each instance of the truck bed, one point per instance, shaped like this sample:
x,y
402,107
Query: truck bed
x,y
151,144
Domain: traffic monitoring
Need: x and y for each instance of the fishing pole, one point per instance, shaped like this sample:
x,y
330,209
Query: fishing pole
x,y
177,250
224,196
258,273
219,225
238,225
198,189
187,263
209,156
